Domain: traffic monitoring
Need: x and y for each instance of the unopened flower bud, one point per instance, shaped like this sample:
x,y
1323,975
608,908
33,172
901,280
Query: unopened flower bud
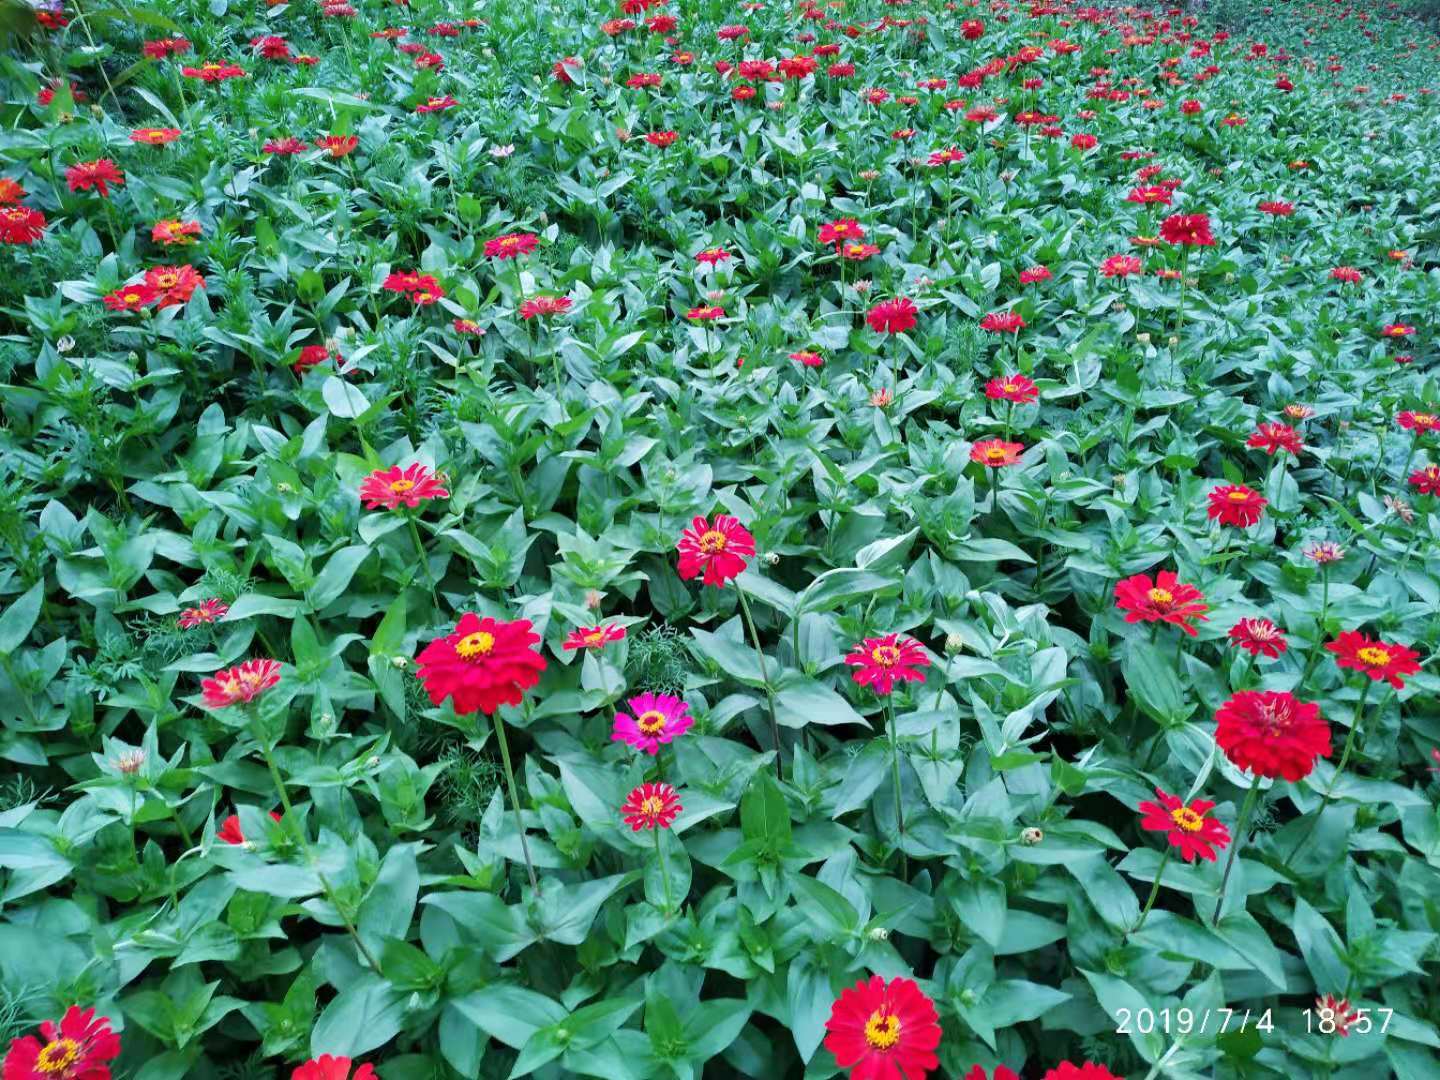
x,y
65,344
1172,341
592,600
130,762
284,488
1031,836
773,558
373,761
954,643
399,662
879,933
1143,338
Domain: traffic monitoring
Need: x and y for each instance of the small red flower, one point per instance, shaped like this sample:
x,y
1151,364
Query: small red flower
x,y
1187,230
208,612
1030,276
892,316
284,147
1000,1073
856,252
1398,330
436,104
949,156
1273,437
840,230
174,284
1166,599
155,136
1378,659
881,662
394,486
538,306
511,245
1236,504
80,1047
705,313
11,191
805,358
311,355
1003,322
20,225
1187,825
240,684
1083,140
173,233
996,453
131,297
719,550
712,256
595,637
229,830
482,664
337,146
661,139
1121,266
1014,388
1272,733
1085,1071
1418,421
326,1067
1150,196
884,1030
1277,208
651,806
1338,1011
98,174
1426,480
1258,637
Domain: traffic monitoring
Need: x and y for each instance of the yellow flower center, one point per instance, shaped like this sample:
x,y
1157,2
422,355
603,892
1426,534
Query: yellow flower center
x,y
1424,419
995,453
653,806
58,1056
1238,496
1161,596
842,229
651,722
477,644
1187,819
712,542
1373,654
594,637
882,1030
401,486
1009,387
167,281
509,241
885,655
132,298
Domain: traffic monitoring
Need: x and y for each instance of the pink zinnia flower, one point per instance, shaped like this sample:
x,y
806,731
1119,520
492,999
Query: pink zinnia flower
x,y
658,719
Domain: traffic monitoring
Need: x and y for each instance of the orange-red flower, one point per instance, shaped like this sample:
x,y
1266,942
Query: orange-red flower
x,y
544,305
326,1067
1013,388
240,684
1166,599
208,612
881,662
892,316
651,806
840,230
1273,437
595,637
511,245
1121,266
482,664
1258,637
155,136
20,225
1188,826
1087,1070
229,831
1236,504
1272,733
394,487
98,174
173,284
718,550
79,1047
337,146
131,297
172,232
1426,480
884,1030
1418,421
996,453
1378,659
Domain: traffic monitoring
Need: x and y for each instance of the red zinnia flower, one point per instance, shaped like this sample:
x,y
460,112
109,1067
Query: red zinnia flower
x,y
1121,266
881,662
242,683
949,156
1147,196
651,806
78,1048
892,316
720,550
1003,322
544,305
1258,637
1166,599
996,453
1085,1071
1274,437
213,72
1426,480
131,297
1014,388
595,637
1398,330
482,664
11,191
1082,140
1277,208
1272,733
511,245
561,70
172,232
661,139
1188,827
337,146
1032,274
712,256
835,232
884,1030
1236,504
1378,659
174,284
1339,1012
311,355
1418,421
856,252
393,486
437,104
805,358
97,174
1187,230
326,1067
20,225
1000,1073
705,313
155,136
208,612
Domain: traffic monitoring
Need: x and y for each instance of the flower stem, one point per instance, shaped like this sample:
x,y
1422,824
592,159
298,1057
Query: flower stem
x,y
1344,760
514,796
424,559
895,776
1154,890
1314,657
764,675
1246,810
664,871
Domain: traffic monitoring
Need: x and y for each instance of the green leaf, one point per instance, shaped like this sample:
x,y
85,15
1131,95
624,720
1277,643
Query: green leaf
x,y
363,1017
509,1014
19,618
1322,949
764,816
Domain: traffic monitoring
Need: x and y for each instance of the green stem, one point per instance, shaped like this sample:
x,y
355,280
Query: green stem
x,y
514,796
1246,811
424,559
1154,890
664,870
764,675
1314,657
895,776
